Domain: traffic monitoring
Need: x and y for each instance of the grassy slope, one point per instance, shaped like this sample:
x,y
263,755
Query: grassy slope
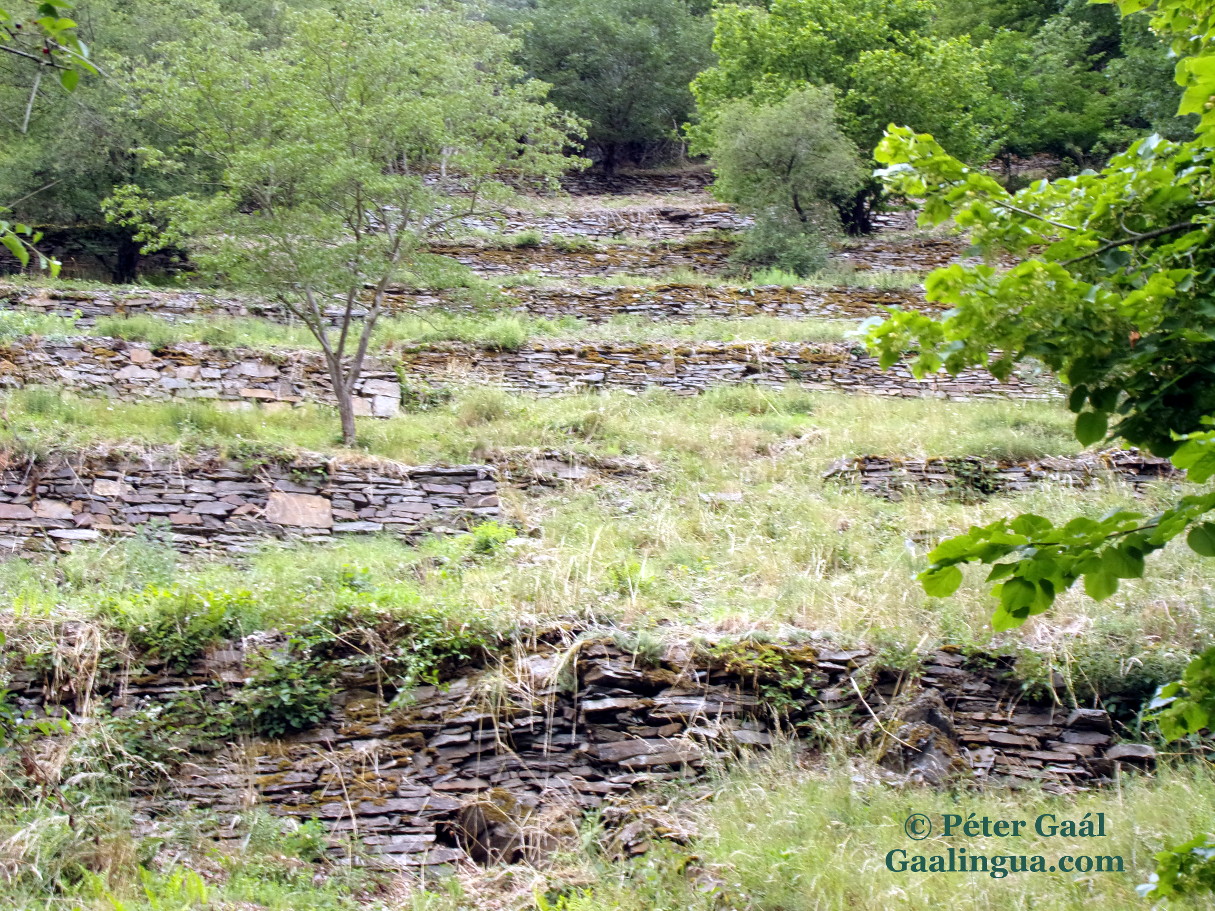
x,y
795,551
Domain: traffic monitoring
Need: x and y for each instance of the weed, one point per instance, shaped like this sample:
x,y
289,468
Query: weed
x,y
287,693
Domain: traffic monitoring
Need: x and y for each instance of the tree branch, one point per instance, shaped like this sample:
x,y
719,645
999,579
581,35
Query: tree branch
x,y
1115,244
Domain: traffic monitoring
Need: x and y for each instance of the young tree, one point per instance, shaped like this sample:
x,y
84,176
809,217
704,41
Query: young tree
x,y
789,165
338,151
1118,303
622,65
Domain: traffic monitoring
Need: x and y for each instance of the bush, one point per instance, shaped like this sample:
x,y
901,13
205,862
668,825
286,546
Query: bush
x,y
779,242
178,626
288,693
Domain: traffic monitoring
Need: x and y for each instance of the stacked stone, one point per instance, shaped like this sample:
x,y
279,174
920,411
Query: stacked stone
x,y
553,368
889,477
131,371
663,303
707,256
174,306
222,504
1027,742
190,370
446,777
696,215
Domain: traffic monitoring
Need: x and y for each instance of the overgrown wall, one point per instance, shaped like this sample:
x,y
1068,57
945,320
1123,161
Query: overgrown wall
x,y
889,476
225,504
499,764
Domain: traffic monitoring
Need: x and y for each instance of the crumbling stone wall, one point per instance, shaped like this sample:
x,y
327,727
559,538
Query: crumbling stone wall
x,y
548,368
189,370
459,772
214,503
661,303
889,477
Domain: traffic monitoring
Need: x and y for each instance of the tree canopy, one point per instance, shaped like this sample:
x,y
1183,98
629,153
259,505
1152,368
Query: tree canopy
x,y
622,65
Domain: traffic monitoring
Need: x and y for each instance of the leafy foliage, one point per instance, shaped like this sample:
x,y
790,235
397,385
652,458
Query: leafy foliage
x,y
622,65
1112,291
338,152
287,693
880,55
176,626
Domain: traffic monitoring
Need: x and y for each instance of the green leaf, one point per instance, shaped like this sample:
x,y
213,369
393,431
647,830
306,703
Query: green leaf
x,y
1091,427
941,582
1120,563
69,79
1017,595
1075,401
1099,585
1202,539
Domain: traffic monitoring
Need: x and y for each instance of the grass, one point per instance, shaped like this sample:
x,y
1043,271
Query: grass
x,y
780,839
795,550
505,331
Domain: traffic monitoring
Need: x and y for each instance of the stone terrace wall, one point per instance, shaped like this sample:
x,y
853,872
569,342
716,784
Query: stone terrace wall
x,y
703,256
553,368
223,504
189,370
131,371
662,303
889,477
684,303
446,778
695,214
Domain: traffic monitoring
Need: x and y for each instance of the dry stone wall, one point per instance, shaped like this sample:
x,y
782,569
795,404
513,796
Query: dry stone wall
x,y
662,303
208,502
131,371
554,368
685,303
453,775
890,477
696,214
706,256
189,370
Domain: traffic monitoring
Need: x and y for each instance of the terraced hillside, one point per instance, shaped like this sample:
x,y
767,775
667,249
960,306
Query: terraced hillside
x,y
603,613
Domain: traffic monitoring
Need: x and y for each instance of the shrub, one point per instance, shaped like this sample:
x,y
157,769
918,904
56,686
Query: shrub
x,y
777,241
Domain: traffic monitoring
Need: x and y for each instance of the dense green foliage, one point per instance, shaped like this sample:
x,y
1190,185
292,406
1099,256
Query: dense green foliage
x,y
881,55
622,65
36,39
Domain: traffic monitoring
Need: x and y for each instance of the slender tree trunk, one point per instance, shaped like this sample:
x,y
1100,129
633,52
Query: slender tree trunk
x,y
126,260
344,395
346,411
